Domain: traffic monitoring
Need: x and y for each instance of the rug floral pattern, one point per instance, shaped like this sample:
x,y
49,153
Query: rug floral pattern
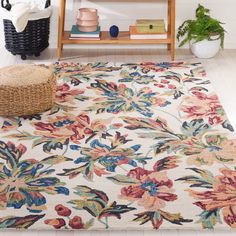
x,y
139,145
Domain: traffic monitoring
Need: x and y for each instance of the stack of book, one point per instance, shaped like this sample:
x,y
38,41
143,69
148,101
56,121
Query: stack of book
x,y
148,29
77,34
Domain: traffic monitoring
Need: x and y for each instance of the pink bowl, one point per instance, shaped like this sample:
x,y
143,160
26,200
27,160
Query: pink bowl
x,y
87,14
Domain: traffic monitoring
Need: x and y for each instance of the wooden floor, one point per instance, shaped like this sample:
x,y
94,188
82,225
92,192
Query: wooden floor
x,y
220,71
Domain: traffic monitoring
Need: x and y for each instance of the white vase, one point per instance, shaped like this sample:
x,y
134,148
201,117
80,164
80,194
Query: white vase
x,y
206,48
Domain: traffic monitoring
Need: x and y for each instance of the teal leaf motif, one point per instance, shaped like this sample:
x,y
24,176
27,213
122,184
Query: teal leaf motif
x,y
228,126
195,127
209,219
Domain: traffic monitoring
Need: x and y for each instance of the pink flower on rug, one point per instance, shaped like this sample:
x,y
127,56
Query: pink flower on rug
x,y
76,223
210,149
200,105
160,67
62,210
57,223
67,95
152,191
74,128
222,196
67,221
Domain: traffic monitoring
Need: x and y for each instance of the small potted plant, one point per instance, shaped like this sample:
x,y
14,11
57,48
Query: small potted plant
x,y
204,34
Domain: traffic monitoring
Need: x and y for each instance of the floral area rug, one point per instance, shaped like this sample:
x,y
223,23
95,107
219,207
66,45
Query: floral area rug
x,y
126,146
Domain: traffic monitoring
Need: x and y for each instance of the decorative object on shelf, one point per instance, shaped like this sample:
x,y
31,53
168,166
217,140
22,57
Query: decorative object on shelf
x,y
26,90
145,26
204,34
35,30
87,20
114,31
148,29
134,34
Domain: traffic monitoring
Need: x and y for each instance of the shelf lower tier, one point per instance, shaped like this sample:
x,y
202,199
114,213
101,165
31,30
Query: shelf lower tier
x,y
123,38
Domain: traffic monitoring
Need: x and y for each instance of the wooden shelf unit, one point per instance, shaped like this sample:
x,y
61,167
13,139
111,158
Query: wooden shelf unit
x,y
123,38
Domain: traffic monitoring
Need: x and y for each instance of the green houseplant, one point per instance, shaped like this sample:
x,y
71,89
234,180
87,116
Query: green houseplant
x,y
204,31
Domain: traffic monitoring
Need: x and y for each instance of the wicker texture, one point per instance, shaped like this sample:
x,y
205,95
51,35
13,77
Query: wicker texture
x,y
28,99
32,41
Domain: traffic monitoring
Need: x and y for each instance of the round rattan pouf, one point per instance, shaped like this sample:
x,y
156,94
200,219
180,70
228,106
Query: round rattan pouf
x,y
26,90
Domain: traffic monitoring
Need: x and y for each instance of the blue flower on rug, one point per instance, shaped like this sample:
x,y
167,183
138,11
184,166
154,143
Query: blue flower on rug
x,y
109,156
24,182
120,98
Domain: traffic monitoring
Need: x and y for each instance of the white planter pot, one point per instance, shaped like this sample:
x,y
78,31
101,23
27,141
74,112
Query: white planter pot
x,y
205,49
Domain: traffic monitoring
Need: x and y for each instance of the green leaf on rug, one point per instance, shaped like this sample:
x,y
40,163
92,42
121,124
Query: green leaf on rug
x,y
49,144
209,219
87,170
89,224
205,181
56,159
115,210
157,217
92,200
195,127
93,207
174,218
89,193
57,107
123,180
23,135
19,222
166,163
154,217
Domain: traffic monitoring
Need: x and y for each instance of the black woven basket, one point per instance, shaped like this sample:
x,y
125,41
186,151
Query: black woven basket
x,y
32,41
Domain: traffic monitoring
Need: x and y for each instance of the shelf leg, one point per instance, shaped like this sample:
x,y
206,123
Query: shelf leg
x,y
169,22
171,3
59,52
61,23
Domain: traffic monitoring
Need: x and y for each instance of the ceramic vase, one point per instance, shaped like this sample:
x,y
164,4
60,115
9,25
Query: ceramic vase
x,y
87,20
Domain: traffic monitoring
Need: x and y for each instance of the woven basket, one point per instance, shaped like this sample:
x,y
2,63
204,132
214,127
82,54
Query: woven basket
x,y
28,96
32,41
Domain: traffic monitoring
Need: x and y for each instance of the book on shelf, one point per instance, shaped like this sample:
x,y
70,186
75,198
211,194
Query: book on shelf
x,y
77,34
150,26
84,38
134,34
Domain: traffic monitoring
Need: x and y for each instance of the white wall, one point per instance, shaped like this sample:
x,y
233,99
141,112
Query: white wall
x,y
124,12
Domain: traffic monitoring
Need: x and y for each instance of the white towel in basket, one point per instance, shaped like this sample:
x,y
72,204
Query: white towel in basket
x,y
22,12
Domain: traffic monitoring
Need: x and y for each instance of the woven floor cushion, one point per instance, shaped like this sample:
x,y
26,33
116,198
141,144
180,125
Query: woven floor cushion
x,y
26,90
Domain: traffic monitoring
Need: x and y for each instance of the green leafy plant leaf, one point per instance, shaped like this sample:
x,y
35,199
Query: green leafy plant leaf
x,y
203,27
